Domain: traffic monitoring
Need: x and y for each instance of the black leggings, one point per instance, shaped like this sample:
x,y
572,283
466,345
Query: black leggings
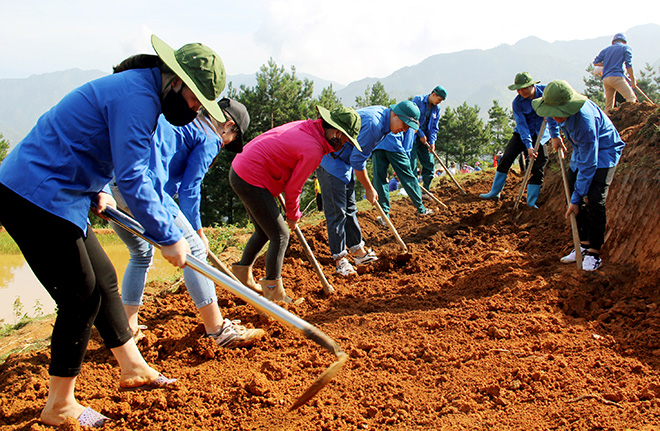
x,y
77,274
592,218
269,225
513,149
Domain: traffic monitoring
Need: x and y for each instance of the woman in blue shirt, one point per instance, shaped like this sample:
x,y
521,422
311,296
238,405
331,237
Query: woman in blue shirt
x,y
179,161
597,149
49,181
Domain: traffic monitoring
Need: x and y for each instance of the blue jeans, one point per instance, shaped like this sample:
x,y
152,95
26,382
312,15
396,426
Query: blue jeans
x,y
340,211
200,288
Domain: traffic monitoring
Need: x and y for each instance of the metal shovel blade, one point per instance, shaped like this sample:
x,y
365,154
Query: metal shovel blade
x,y
260,303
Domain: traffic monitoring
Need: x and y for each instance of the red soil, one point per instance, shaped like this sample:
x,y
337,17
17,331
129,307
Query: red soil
x,y
481,328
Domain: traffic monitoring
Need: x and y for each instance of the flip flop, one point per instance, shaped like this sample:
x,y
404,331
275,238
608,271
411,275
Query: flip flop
x,y
91,418
160,382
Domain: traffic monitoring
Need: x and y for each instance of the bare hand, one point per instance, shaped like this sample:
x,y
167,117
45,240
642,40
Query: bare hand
x,y
572,208
103,200
292,223
372,196
558,143
532,154
432,148
176,253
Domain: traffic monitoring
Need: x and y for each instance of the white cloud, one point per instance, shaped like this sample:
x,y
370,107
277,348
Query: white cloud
x,y
343,40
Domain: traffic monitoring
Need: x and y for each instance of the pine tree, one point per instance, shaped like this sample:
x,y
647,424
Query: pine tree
x,y
594,87
500,125
375,95
4,147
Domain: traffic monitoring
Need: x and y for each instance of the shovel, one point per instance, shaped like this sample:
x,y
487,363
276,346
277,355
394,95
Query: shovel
x,y
433,198
392,228
530,163
574,229
445,168
327,287
259,302
221,266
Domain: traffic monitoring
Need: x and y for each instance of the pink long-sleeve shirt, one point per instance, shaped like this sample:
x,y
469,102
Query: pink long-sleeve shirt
x,y
281,160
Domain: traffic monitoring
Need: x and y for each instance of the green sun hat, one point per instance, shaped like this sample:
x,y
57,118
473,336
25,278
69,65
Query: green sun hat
x,y
523,80
200,68
408,112
344,119
559,100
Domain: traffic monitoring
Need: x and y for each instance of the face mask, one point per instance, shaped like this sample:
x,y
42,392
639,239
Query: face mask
x,y
176,110
335,142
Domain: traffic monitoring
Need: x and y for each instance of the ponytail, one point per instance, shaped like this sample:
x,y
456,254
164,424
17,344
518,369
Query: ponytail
x,y
142,61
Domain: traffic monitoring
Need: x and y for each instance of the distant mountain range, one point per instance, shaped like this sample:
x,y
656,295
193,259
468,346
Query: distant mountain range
x,y
474,76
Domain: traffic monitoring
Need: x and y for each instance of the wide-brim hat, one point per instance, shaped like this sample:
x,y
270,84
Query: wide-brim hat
x,y
408,112
523,80
559,100
200,68
239,115
344,119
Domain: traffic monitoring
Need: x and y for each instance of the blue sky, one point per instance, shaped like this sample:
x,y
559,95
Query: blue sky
x,y
340,40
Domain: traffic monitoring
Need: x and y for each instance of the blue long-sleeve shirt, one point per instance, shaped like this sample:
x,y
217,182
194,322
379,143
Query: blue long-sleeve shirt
x,y
596,144
429,125
375,124
613,58
401,142
102,127
178,164
528,123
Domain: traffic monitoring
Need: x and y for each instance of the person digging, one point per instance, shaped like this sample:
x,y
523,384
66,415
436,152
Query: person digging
x,y
528,124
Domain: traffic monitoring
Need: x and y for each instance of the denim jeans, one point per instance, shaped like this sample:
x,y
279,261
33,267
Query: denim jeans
x,y
340,211
200,288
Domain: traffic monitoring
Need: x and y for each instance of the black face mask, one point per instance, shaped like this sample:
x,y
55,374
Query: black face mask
x,y
335,142
176,110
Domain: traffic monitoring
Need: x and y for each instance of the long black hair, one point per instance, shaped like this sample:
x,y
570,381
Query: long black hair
x,y
142,61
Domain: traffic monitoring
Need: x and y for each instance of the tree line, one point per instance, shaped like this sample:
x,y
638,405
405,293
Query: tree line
x,y
279,97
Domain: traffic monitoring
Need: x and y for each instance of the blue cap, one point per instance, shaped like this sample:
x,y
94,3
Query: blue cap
x,y
408,112
621,37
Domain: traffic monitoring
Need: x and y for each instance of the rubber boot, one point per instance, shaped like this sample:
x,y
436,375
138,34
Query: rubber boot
x,y
244,275
274,290
533,191
498,186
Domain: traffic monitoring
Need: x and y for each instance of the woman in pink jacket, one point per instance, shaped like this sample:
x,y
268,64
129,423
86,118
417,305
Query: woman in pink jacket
x,y
281,160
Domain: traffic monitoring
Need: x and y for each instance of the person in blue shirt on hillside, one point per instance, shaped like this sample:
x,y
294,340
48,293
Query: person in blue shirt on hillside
x,y
427,134
337,174
528,125
612,59
394,149
64,164
597,148
179,160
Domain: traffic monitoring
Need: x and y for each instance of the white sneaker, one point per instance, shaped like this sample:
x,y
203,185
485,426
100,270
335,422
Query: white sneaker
x,y
382,222
234,335
571,257
344,267
591,262
367,258
427,212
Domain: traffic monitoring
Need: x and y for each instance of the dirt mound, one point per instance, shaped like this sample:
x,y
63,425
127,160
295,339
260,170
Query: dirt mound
x,y
480,328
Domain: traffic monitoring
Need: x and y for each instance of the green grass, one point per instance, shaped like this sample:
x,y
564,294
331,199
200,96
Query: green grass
x,y
7,244
221,237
